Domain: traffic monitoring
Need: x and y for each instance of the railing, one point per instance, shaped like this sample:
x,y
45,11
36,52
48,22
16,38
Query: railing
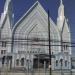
x,y
22,71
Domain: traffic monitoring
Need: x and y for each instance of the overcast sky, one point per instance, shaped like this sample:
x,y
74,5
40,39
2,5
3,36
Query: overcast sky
x,y
21,6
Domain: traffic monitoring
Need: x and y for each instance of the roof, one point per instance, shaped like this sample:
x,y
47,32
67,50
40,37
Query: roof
x,y
27,13
37,3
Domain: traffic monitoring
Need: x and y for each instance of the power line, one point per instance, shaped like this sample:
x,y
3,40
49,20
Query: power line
x,y
35,40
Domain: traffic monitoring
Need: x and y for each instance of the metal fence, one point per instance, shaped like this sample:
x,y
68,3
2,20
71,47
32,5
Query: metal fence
x,y
23,71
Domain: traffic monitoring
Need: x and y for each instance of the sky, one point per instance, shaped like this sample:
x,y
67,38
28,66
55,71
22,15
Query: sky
x,y
21,6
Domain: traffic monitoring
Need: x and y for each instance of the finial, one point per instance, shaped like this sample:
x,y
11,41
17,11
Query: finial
x,y
6,4
61,2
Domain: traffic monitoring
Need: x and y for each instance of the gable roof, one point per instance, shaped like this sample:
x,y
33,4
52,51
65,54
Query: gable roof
x,y
27,13
36,4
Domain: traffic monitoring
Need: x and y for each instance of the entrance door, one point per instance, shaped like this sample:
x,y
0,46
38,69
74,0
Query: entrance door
x,y
38,63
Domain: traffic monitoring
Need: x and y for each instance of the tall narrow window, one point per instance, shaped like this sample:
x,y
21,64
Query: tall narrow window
x,y
65,47
56,62
17,62
66,63
22,62
4,43
3,51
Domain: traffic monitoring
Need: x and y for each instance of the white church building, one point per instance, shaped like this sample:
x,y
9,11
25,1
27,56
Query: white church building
x,y
27,40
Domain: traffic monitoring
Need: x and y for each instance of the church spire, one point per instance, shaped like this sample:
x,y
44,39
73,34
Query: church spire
x,y
7,3
60,19
61,2
8,10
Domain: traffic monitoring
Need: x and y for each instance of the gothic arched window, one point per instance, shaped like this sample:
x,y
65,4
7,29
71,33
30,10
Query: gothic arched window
x,y
17,62
22,62
65,47
56,62
66,63
4,43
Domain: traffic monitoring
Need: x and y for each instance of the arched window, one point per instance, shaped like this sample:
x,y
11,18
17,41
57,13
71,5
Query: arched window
x,y
4,43
22,62
56,62
65,47
61,61
65,62
3,51
17,62
52,53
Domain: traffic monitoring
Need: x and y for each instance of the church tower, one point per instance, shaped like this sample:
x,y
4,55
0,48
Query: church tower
x,y
65,35
5,29
7,13
63,27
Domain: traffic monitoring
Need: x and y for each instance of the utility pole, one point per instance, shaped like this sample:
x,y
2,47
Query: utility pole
x,y
50,69
71,67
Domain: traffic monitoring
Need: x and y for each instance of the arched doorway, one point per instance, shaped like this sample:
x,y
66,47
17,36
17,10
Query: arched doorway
x,y
22,61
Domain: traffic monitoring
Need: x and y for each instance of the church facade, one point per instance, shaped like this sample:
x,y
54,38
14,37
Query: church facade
x,y
27,40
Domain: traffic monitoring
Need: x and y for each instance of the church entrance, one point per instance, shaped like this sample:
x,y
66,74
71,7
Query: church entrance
x,y
40,63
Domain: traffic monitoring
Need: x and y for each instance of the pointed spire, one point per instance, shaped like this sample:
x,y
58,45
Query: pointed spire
x,y
6,5
61,2
8,10
60,19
